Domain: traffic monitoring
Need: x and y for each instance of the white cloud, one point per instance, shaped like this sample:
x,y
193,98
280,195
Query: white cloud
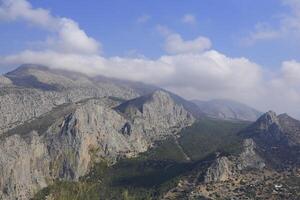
x,y
66,35
205,75
192,70
262,31
189,19
291,72
143,19
288,26
207,71
175,44
70,38
20,9
283,91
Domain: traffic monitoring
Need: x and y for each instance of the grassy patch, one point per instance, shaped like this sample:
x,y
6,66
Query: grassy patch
x,y
208,135
168,150
129,179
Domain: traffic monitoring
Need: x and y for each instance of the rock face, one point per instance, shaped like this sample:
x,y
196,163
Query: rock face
x,y
31,91
277,138
276,129
228,110
156,114
65,142
249,158
220,170
226,167
271,140
4,81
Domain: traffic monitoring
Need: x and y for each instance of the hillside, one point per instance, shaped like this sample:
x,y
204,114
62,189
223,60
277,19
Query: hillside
x,y
228,110
153,173
80,137
58,125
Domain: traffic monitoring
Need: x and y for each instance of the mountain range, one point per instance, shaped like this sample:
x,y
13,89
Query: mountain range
x,y
228,110
66,135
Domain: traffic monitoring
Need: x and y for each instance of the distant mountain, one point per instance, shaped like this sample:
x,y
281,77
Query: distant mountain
x,y
227,110
51,79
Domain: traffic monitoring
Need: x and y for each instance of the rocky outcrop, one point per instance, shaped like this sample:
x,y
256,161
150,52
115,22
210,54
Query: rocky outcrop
x,y
156,114
24,164
30,91
291,128
65,142
249,158
277,138
4,81
225,168
220,170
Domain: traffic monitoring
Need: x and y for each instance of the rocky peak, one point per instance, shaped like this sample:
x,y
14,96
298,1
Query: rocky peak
x,y
280,128
220,170
291,128
161,95
268,119
158,96
32,90
26,68
158,112
277,138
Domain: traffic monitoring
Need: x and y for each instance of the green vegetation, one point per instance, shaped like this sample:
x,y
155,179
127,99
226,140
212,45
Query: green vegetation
x,y
154,172
168,149
208,135
128,179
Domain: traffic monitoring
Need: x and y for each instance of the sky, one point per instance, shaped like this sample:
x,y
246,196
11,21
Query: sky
x,y
246,50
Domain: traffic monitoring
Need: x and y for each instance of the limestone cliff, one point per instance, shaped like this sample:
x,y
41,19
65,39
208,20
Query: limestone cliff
x,y
30,91
226,167
65,142
220,170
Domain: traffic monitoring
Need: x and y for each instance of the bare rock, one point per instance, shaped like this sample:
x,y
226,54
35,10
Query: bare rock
x,y
220,170
77,137
249,157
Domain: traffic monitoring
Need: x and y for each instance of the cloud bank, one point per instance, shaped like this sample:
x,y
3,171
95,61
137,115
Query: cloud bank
x,y
190,68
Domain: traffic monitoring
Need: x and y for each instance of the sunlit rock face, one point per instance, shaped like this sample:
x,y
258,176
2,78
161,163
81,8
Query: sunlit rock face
x,y
30,91
65,142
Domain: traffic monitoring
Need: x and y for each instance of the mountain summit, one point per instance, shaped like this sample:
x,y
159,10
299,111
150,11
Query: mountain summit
x,y
278,138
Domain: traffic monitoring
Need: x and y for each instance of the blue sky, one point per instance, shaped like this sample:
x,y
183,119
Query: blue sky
x,y
114,23
246,50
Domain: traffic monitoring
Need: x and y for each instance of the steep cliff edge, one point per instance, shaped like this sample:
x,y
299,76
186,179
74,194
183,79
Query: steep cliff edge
x,y
64,143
